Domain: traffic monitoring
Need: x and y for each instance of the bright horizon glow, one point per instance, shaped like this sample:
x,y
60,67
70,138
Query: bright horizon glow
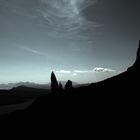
x,y
80,76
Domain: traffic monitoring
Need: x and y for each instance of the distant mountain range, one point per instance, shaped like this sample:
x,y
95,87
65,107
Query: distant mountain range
x,y
27,84
32,85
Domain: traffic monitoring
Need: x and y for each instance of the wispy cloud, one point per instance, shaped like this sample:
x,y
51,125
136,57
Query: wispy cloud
x,y
66,16
30,50
60,18
64,72
97,69
82,71
50,57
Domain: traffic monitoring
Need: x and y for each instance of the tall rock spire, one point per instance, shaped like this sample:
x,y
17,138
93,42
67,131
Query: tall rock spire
x,y
54,83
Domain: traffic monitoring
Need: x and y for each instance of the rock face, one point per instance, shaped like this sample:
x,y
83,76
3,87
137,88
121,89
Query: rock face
x,y
54,83
137,62
68,86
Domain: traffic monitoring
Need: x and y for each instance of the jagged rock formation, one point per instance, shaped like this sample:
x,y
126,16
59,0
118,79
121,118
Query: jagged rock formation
x,y
137,62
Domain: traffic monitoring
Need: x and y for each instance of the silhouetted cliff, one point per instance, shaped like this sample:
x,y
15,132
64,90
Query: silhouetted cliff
x,y
136,65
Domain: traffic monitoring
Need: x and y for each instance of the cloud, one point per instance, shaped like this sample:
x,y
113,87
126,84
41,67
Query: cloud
x,y
66,16
87,76
59,18
30,50
97,69
66,8
81,71
64,72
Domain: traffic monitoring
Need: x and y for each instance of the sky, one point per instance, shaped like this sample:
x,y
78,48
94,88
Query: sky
x,y
81,40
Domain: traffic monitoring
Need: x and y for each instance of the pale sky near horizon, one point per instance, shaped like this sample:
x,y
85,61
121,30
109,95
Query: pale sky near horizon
x,y
80,40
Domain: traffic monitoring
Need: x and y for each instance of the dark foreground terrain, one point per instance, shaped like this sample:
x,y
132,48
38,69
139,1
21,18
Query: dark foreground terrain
x,y
117,93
